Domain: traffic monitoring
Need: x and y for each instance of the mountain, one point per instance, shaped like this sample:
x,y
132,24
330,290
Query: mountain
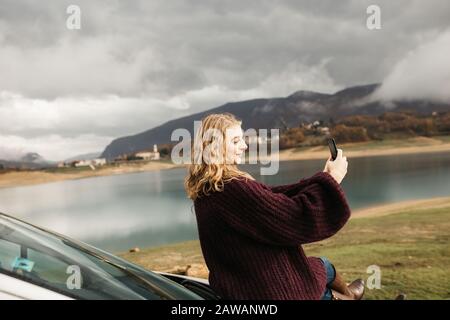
x,y
281,112
30,160
32,157
86,156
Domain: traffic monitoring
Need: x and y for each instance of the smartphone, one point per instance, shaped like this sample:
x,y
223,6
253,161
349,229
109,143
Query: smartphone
x,y
333,148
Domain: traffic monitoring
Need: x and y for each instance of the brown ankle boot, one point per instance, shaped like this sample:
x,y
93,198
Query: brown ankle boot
x,y
357,288
336,295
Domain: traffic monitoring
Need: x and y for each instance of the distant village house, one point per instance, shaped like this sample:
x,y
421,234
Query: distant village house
x,y
93,162
147,155
83,163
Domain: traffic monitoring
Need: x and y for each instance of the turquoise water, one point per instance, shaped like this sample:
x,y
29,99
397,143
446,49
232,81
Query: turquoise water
x,y
147,209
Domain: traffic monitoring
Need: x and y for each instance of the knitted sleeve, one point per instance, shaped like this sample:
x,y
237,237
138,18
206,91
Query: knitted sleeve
x,y
288,189
315,212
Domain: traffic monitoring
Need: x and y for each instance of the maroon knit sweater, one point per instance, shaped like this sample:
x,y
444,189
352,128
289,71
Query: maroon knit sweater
x,y
251,236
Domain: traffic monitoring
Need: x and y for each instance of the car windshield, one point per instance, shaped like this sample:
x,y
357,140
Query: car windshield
x,y
67,267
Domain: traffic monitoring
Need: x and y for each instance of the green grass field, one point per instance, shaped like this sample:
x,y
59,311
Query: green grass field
x,y
388,143
411,248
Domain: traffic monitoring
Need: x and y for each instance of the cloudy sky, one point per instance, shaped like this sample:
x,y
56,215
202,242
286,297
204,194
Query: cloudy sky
x,y
134,65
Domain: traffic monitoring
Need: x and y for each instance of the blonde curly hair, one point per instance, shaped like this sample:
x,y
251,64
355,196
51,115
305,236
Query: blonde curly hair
x,y
209,175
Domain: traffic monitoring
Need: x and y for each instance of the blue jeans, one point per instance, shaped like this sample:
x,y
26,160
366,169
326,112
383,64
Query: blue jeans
x,y
331,275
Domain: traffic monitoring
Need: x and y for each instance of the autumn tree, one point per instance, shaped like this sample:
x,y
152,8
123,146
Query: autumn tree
x,y
291,138
343,133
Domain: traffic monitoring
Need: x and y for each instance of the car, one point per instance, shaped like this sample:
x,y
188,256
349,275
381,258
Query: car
x,y
36,263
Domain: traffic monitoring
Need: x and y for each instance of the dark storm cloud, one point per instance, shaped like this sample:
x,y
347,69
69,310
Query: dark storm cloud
x,y
137,64
169,47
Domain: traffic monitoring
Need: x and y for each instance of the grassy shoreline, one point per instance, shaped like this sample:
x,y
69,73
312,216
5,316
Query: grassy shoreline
x,y
352,150
409,241
372,148
24,178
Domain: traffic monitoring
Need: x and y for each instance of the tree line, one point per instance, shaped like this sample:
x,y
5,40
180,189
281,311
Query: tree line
x,y
360,128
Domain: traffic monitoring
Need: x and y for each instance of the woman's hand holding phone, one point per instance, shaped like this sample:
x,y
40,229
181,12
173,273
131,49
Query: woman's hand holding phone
x,y
337,168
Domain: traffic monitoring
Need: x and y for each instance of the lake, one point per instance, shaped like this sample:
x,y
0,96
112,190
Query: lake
x,y
148,209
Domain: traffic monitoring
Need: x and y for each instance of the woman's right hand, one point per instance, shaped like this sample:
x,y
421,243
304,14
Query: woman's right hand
x,y
337,168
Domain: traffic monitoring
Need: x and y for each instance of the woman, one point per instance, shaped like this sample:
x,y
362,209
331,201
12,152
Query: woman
x,y
251,233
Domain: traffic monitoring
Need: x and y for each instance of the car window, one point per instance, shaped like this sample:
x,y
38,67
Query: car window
x,y
36,257
8,252
47,267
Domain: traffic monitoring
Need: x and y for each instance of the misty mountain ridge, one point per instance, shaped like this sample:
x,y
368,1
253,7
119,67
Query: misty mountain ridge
x,y
85,156
29,160
300,106
32,157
